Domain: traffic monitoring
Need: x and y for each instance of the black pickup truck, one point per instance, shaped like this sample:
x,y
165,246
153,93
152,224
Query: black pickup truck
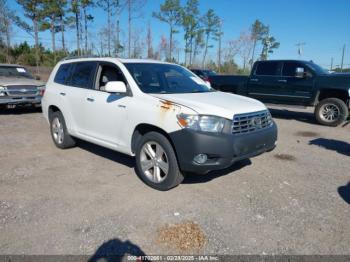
x,y
292,82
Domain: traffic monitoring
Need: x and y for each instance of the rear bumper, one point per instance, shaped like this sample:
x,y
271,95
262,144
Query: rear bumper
x,y
222,149
20,100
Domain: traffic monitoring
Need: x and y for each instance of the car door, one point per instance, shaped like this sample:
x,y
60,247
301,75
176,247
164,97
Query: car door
x,y
107,112
263,83
79,84
298,89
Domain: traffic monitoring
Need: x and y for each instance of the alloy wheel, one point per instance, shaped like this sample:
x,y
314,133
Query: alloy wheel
x,y
154,162
330,112
57,130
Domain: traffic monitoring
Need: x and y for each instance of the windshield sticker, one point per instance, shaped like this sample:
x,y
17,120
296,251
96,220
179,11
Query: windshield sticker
x,y
21,70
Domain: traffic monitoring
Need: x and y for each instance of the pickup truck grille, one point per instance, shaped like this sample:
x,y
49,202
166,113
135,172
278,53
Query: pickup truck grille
x,y
247,123
19,90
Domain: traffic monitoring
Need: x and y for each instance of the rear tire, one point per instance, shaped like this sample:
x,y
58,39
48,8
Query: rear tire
x,y
156,162
59,133
331,112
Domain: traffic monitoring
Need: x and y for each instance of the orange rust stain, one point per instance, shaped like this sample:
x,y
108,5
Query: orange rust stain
x,y
167,105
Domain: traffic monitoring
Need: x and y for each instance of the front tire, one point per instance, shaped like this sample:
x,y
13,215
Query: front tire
x,y
331,112
156,162
59,133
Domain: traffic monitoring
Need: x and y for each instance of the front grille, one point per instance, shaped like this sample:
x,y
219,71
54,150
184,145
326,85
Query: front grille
x,y
21,90
247,123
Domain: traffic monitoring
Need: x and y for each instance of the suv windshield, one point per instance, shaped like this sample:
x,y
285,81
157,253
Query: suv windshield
x,y
12,71
165,79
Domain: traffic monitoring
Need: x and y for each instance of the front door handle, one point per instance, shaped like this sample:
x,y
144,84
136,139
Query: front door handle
x,y
90,99
62,94
254,80
282,81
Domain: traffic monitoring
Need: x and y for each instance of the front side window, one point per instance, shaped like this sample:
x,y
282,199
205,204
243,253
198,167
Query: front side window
x,y
289,68
267,69
13,71
83,75
165,79
109,73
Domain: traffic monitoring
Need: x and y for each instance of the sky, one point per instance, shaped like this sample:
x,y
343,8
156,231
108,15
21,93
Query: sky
x,y
323,25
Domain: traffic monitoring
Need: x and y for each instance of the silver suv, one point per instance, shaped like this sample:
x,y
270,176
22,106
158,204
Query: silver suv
x,y
19,87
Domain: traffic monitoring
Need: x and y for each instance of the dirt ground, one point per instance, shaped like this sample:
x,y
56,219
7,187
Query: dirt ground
x,y
88,200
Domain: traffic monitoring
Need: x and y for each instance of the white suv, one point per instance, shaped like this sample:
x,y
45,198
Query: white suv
x,y
161,113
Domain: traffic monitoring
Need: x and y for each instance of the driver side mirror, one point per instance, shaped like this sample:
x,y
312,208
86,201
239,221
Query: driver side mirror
x,y
299,72
116,87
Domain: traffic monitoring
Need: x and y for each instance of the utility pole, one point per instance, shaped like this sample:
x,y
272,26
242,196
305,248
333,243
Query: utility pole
x,y
342,59
331,64
300,48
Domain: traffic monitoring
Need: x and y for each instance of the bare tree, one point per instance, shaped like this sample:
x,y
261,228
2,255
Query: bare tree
x,y
137,44
134,11
149,42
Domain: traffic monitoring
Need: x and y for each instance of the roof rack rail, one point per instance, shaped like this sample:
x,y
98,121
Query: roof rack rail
x,y
76,57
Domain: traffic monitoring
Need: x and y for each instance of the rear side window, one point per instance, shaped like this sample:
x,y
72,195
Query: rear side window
x,y
62,74
267,69
83,75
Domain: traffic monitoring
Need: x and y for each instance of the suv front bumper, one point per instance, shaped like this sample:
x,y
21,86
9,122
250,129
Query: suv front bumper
x,y
222,149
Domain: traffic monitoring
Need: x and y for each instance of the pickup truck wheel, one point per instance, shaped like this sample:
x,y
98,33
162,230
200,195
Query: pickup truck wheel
x,y
156,162
59,132
331,112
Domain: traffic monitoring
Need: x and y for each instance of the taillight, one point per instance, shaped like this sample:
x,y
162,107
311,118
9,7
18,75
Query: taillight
x,y
41,90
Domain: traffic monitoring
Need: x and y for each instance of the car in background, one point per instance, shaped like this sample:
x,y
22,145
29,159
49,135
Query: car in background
x,y
19,87
293,82
205,74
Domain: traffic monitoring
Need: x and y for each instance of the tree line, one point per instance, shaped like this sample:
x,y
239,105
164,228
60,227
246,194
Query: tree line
x,y
199,33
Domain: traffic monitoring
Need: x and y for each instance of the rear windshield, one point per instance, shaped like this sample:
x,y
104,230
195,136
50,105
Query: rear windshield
x,y
165,79
12,71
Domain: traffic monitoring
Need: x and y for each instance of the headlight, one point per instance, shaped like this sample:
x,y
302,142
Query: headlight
x,y
2,91
203,123
349,92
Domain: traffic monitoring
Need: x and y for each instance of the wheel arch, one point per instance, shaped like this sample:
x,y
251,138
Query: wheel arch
x,y
141,129
333,93
52,109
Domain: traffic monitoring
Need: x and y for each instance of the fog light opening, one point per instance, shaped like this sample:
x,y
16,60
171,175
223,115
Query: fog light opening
x,y
200,158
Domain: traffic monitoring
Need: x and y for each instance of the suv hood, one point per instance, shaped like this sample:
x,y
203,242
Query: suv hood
x,y
215,103
9,81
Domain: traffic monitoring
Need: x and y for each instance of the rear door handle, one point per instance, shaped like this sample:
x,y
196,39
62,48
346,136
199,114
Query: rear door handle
x,y
254,80
62,94
282,81
90,99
